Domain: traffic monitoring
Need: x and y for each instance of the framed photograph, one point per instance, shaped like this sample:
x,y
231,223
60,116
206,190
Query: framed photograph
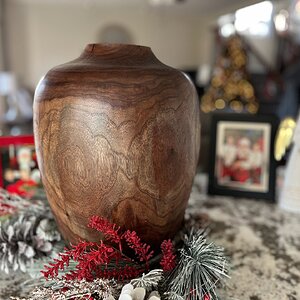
x,y
19,173
242,161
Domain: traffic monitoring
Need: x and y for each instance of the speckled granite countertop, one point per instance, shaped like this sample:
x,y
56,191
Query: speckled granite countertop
x,y
262,241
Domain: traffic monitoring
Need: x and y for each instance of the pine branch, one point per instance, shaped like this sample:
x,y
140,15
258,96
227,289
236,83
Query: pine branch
x,y
148,281
201,266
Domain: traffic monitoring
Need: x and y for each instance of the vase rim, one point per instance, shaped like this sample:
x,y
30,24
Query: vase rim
x,y
101,46
119,54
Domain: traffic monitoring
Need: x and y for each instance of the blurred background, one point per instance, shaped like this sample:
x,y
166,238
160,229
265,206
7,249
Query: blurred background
x,y
242,55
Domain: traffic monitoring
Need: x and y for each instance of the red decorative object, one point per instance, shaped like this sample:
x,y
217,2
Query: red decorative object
x,y
142,250
18,165
16,140
110,231
105,261
6,141
6,209
24,188
168,260
206,297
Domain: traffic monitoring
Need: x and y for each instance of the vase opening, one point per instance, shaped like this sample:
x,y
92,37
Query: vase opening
x,y
120,53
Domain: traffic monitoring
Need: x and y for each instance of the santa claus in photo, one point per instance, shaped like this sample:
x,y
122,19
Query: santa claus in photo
x,y
241,168
228,157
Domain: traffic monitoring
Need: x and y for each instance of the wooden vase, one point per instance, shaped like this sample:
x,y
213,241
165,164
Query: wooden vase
x,y
117,134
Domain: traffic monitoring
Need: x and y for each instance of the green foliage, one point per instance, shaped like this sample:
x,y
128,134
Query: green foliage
x,y
202,265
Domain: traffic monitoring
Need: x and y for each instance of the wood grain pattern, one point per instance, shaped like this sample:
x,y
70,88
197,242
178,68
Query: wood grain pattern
x,y
117,135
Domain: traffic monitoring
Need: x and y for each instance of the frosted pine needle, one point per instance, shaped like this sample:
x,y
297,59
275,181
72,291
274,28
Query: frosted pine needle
x,y
201,266
148,281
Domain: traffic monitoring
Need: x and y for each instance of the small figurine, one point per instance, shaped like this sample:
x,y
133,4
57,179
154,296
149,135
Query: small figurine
x,y
24,180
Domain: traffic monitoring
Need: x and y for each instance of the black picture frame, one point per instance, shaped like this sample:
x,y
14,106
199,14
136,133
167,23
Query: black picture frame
x,y
242,160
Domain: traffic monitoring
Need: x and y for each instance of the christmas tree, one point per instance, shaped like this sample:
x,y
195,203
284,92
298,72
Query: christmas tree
x,y
229,89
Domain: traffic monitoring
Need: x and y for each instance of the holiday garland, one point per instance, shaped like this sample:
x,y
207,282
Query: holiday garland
x,y
191,272
102,270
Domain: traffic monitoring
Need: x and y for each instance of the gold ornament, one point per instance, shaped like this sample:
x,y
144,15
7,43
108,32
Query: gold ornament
x,y
252,107
216,81
236,106
220,104
205,108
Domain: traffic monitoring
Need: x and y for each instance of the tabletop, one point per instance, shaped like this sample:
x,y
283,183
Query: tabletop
x,y
262,241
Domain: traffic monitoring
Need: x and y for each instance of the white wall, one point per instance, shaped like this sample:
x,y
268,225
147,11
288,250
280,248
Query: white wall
x,y
1,40
44,35
1,49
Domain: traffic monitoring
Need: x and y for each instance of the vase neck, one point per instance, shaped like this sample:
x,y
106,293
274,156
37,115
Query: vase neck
x,y
119,54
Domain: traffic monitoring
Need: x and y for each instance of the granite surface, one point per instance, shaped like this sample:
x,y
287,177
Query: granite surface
x,y
262,241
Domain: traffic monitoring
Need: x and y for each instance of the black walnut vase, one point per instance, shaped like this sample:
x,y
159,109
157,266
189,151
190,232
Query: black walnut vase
x,y
117,135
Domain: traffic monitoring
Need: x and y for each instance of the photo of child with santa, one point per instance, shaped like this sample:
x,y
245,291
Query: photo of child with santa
x,y
241,158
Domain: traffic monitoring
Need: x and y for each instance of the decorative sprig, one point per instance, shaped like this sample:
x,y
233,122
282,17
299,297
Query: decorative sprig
x,y
88,255
201,266
168,260
62,289
111,231
142,250
104,260
148,281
